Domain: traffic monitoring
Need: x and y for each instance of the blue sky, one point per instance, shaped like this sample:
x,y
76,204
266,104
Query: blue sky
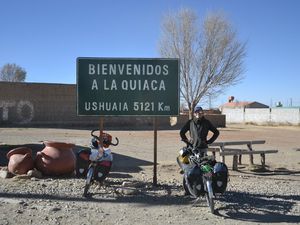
x,y
46,37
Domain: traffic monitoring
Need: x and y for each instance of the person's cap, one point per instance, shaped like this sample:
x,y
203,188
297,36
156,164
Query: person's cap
x,y
198,109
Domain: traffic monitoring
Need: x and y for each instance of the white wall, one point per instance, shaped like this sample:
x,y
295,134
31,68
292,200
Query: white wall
x,y
234,115
286,116
258,116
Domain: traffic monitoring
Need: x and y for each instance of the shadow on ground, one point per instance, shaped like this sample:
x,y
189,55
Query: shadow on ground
x,y
259,208
150,196
256,208
266,171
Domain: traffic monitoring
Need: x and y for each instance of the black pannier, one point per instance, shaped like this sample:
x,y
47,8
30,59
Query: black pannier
x,y
220,177
195,181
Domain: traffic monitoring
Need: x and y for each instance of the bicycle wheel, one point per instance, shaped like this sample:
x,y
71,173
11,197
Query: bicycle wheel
x,y
88,181
186,189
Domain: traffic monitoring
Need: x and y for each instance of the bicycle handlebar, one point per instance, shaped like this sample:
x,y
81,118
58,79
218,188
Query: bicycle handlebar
x,y
98,138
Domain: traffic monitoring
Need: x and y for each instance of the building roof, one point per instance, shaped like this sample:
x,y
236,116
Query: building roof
x,y
244,105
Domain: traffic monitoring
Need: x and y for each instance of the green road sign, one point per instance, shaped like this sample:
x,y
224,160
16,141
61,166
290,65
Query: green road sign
x,y
127,86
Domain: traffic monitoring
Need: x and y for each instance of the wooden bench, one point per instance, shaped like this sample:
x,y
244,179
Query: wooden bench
x,y
249,144
238,152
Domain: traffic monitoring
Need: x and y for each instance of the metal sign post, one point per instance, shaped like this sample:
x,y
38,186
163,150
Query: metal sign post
x,y
101,129
155,152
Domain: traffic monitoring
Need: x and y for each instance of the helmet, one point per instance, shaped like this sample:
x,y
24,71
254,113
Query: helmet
x,y
184,159
198,109
106,139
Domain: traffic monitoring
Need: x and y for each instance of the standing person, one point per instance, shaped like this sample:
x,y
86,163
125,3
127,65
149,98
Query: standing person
x,y
199,127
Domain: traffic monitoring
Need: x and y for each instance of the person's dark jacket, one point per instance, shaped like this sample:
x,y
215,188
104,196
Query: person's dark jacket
x,y
199,129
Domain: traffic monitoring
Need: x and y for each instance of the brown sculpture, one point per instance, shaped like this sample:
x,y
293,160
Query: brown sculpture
x,y
57,158
20,160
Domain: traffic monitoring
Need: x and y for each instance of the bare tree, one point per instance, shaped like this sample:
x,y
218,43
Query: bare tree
x,y
12,73
211,57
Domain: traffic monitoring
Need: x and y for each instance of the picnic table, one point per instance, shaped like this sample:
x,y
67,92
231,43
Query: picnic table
x,y
224,150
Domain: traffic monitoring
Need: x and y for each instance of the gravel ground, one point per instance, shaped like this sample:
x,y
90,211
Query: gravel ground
x,y
270,197
249,200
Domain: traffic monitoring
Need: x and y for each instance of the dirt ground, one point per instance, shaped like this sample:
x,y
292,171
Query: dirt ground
x,y
252,197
